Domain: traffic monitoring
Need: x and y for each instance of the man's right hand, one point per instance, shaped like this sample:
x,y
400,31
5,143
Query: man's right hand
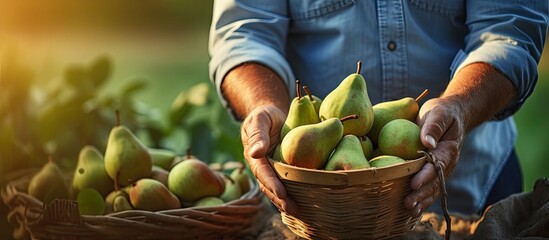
x,y
260,133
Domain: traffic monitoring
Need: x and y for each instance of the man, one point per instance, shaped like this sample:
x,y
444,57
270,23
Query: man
x,y
477,58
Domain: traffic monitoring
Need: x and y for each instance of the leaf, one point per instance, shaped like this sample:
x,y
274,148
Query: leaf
x,y
100,70
199,94
133,87
75,75
180,108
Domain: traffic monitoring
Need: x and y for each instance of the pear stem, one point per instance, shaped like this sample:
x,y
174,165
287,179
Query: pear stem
x,y
354,116
229,177
358,67
423,94
240,169
297,90
117,114
308,92
188,153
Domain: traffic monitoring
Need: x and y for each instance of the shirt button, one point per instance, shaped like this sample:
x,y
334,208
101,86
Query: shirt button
x,y
391,46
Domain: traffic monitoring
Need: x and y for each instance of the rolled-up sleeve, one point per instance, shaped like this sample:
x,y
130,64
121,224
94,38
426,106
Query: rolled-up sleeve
x,y
248,31
508,35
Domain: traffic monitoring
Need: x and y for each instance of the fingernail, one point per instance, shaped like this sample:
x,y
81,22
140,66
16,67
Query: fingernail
x,y
431,141
255,148
421,184
418,211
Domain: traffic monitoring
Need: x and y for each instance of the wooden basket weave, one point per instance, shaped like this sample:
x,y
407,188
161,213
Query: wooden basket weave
x,y
61,219
353,204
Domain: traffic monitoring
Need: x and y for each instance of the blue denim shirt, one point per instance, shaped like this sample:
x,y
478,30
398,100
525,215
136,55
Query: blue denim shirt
x,y
406,46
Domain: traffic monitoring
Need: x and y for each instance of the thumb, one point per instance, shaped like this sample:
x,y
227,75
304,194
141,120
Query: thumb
x,y
255,135
434,124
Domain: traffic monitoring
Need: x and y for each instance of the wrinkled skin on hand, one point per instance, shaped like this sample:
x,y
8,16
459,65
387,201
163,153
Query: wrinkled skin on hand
x,y
442,132
260,133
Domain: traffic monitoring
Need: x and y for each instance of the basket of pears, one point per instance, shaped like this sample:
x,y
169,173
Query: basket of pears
x,y
348,164
133,192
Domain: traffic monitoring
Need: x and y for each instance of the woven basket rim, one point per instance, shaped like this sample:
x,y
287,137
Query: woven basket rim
x,y
342,178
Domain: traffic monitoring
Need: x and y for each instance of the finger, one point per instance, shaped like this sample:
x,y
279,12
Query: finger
x,y
255,135
422,198
446,153
266,175
283,204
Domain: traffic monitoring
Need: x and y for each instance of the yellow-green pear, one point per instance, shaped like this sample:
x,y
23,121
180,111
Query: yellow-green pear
x,y
126,158
347,155
109,199
160,174
232,190
90,202
152,195
350,97
367,147
120,204
400,137
162,157
277,154
384,112
90,172
316,101
309,146
208,201
48,184
242,178
385,160
301,112
192,179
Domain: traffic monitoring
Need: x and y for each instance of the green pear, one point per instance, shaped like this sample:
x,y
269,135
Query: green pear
x,y
350,97
243,179
159,174
384,112
109,199
347,155
400,137
301,112
309,146
316,101
232,190
277,154
192,179
179,159
121,204
162,157
90,172
208,201
48,184
367,147
90,202
152,195
385,160
126,158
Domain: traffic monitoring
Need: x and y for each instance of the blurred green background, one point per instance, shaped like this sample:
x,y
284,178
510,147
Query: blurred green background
x,y
143,56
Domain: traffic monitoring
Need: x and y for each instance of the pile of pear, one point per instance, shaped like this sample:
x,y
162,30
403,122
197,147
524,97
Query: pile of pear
x,y
132,176
344,131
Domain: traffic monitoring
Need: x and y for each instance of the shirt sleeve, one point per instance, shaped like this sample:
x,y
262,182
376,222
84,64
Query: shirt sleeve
x,y
248,31
508,35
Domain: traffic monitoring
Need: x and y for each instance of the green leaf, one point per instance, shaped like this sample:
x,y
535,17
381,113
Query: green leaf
x,y
100,70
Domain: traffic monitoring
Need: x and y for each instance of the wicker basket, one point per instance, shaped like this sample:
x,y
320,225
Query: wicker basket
x,y
61,219
353,204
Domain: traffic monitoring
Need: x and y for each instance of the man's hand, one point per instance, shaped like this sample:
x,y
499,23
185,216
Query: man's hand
x,y
475,94
442,132
260,133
